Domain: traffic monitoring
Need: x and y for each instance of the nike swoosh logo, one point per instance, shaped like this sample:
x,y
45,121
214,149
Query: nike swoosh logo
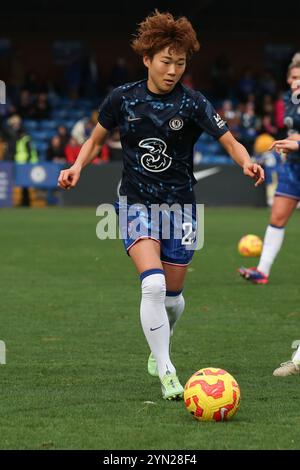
x,y
153,329
200,175
133,119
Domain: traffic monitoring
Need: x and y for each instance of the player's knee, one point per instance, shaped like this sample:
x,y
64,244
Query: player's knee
x,y
278,220
154,286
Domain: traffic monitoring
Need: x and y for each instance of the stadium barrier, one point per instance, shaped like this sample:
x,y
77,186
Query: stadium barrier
x,y
218,185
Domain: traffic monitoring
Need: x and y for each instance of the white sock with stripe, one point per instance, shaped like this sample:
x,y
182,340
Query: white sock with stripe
x,y
272,243
154,318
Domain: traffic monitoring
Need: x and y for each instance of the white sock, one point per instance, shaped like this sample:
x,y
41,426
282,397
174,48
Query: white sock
x,y
296,358
272,243
175,306
155,320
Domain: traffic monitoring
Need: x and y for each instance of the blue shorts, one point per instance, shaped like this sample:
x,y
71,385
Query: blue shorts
x,y
289,180
176,231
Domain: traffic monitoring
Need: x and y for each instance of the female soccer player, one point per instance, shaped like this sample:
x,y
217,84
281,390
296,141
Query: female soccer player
x,y
291,367
159,122
287,193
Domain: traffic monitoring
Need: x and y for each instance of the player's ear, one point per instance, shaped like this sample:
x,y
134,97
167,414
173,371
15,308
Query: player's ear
x,y
146,60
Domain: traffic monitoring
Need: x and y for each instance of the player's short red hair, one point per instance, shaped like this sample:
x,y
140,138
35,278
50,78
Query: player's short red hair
x,y
161,30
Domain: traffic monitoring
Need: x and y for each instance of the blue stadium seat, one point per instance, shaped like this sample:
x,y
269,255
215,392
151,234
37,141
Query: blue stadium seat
x,y
69,124
48,124
30,124
41,148
59,114
76,114
39,135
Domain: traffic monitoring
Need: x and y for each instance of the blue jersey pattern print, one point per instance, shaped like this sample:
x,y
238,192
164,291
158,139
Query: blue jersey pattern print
x,y
158,133
289,172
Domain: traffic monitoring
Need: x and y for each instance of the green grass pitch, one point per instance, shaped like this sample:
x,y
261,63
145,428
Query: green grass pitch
x,y
76,374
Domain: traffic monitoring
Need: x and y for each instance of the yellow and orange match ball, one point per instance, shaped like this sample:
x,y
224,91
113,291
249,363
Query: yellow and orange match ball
x,y
250,245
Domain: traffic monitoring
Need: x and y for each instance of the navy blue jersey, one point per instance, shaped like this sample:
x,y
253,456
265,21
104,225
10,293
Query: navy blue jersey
x,y
292,120
158,133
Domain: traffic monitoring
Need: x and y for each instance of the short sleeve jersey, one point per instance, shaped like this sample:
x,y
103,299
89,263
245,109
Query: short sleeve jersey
x,y
292,120
158,133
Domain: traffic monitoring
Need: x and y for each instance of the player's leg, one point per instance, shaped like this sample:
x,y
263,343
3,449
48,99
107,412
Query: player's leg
x,y
175,276
176,254
285,201
175,258
174,302
146,256
291,367
282,209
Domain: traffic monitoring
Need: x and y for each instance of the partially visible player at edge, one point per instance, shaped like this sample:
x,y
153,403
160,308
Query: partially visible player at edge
x,y
159,122
287,193
291,367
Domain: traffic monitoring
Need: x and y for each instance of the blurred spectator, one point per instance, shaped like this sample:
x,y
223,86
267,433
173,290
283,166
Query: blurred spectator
x,y
55,151
83,128
19,149
64,135
268,116
19,146
25,106
72,150
42,108
279,115
249,126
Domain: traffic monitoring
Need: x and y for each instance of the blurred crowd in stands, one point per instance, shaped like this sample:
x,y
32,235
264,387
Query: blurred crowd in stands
x,y
41,123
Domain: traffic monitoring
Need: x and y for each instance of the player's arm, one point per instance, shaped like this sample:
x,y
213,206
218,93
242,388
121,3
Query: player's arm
x,y
240,155
286,145
69,178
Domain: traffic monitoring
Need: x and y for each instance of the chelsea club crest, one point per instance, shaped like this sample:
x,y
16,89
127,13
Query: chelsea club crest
x,y
176,123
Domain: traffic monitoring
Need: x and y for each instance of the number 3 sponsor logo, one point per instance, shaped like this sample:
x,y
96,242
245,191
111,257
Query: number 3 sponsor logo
x,y
155,159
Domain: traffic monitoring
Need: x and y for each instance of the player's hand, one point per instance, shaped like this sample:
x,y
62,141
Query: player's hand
x,y
255,171
69,178
284,146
